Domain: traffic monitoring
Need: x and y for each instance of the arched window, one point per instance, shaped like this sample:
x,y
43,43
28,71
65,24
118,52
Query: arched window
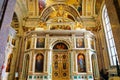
x,y
109,37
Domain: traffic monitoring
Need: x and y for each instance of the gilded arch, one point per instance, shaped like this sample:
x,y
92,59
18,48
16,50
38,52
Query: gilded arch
x,y
55,7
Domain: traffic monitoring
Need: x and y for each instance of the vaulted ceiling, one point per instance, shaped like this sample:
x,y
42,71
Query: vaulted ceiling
x,y
35,8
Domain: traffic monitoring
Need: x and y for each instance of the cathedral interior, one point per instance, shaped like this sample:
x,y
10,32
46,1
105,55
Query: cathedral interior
x,y
59,39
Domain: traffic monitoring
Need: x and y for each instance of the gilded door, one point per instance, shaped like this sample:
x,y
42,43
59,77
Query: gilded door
x,y
60,65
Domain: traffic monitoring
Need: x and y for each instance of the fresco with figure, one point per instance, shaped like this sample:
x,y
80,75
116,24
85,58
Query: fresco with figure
x,y
41,5
39,63
60,46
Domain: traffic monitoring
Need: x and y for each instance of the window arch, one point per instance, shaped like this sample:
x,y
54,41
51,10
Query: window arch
x,y
109,37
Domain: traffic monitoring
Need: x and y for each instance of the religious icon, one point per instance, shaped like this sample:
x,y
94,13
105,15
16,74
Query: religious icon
x,y
40,43
80,43
9,62
39,63
81,63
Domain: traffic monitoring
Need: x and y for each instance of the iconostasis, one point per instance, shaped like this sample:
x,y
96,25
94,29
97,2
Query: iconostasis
x,y
43,46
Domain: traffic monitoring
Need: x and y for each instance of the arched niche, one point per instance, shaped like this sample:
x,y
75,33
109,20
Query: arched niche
x,y
39,63
60,42
81,64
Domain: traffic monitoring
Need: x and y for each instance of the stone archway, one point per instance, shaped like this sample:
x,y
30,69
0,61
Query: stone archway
x,y
60,62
